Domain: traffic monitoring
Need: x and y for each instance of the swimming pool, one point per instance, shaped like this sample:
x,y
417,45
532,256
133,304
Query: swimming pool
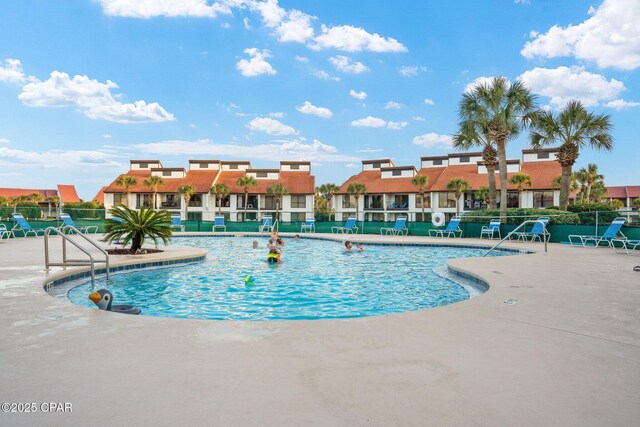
x,y
318,280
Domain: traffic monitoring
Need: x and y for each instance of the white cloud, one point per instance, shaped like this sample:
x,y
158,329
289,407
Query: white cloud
x,y
350,165
170,8
482,80
369,150
419,118
277,114
342,63
354,39
272,14
256,65
358,95
433,140
301,58
271,126
411,71
563,84
4,141
247,25
91,97
309,108
428,101
522,1
369,122
610,37
107,136
296,28
225,25
396,125
57,159
323,75
392,105
294,149
621,104
12,72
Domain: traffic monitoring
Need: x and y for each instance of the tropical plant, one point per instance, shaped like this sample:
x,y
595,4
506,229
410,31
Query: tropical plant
x,y
520,180
575,128
597,192
635,203
133,226
34,197
277,191
458,186
153,183
499,110
246,182
126,181
483,194
420,181
356,190
3,201
186,191
580,179
617,204
220,190
327,191
473,134
591,176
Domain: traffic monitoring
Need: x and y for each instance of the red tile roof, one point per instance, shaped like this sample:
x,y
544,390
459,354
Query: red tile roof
x,y
622,192
100,196
295,182
68,194
202,180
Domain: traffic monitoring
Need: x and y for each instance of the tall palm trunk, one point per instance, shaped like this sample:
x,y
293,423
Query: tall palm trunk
x,y
246,201
491,175
502,163
422,195
565,182
155,200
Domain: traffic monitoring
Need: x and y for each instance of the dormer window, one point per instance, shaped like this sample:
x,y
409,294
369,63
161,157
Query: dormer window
x,y
204,165
543,155
294,167
144,165
437,162
166,173
233,166
464,159
396,172
261,175
377,165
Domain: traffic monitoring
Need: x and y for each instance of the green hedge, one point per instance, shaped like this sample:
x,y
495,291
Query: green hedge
x,y
516,216
587,212
84,210
27,209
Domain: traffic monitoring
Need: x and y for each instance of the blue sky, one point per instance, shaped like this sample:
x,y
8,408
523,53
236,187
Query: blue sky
x,y
85,85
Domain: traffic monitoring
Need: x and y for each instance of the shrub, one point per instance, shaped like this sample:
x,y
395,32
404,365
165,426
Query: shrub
x,y
587,212
29,210
516,216
84,210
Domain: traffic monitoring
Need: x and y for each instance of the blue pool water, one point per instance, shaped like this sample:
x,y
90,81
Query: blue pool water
x,y
318,280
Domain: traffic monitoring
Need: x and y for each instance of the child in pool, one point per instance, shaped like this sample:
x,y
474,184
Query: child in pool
x,y
274,256
348,246
255,244
271,244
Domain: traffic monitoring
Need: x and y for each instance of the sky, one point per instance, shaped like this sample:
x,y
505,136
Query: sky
x,y
87,85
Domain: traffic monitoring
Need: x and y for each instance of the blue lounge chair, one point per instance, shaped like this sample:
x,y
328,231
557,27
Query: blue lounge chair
x,y
219,223
309,225
611,233
349,226
453,228
399,228
266,224
5,233
176,222
85,229
627,245
491,230
538,231
21,224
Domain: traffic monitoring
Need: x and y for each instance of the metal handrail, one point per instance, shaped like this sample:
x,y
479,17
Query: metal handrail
x,y
71,262
532,221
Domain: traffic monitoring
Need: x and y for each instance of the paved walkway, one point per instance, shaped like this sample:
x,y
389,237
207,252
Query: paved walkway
x,y
555,341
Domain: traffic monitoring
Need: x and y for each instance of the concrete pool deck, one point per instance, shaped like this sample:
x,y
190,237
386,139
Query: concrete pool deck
x,y
554,341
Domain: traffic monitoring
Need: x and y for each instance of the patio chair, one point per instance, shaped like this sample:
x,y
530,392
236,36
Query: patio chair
x,y
266,224
452,229
176,222
538,231
85,229
4,232
611,233
399,228
629,246
219,223
22,224
349,226
309,225
491,230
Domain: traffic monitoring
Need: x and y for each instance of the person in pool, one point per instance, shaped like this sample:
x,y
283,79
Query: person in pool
x,y
274,256
360,248
348,246
255,244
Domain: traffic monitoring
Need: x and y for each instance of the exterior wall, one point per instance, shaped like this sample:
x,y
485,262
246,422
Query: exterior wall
x,y
370,166
168,174
197,166
427,163
511,168
137,166
472,160
301,168
240,166
270,175
535,157
404,173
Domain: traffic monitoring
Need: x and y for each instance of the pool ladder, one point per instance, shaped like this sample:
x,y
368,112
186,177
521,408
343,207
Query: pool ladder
x,y
66,262
545,234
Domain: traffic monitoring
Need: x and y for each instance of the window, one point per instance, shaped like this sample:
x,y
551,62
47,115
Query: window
x,y
298,216
195,201
204,165
268,202
144,200
396,172
447,200
400,201
166,173
298,201
542,199
513,200
348,201
233,166
195,216
118,199
427,201
543,155
261,174
225,201
144,165
465,159
437,162
294,167
376,165
375,216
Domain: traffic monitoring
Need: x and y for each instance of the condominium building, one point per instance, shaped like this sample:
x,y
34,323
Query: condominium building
x,y
390,192
203,175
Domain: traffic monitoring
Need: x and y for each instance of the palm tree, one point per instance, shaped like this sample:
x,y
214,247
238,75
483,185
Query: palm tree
x,y
35,197
246,182
3,201
458,186
635,203
134,226
186,191
468,137
483,194
580,178
153,183
328,191
356,190
421,181
277,191
126,181
520,180
575,128
499,109
220,190
591,176
617,204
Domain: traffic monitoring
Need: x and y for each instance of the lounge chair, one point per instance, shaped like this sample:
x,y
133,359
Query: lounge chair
x,y
611,233
349,226
453,228
85,229
176,222
538,231
219,223
491,230
309,225
266,224
399,228
5,233
21,224
629,246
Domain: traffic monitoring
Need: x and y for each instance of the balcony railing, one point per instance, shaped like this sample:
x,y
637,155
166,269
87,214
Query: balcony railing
x,y
170,205
146,205
398,206
195,204
250,206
